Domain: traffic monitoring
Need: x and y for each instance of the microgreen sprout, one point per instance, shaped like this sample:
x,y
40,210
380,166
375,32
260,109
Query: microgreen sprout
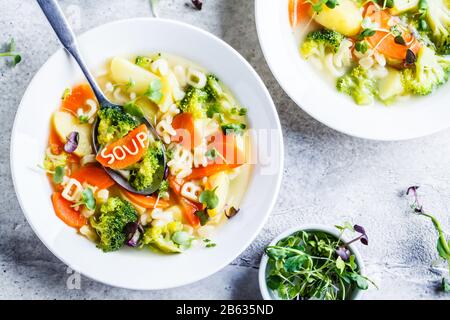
x,y
72,142
368,32
87,199
317,6
154,91
83,118
209,244
343,251
133,232
239,111
209,199
198,4
154,6
203,217
11,52
130,84
410,57
443,244
232,212
400,40
58,176
212,154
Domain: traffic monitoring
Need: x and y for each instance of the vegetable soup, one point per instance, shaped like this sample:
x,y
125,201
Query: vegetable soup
x,y
376,50
200,130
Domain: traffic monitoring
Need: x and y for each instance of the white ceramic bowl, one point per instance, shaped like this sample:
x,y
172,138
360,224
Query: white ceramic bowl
x,y
130,268
406,119
269,294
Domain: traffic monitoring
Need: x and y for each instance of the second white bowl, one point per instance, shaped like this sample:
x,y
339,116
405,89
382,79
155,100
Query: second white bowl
x,y
311,90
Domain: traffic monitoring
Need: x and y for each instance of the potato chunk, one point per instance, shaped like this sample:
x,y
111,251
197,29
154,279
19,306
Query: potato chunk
x,y
401,6
221,183
65,123
124,71
391,86
345,18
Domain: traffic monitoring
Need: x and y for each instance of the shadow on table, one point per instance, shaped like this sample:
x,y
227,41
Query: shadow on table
x,y
32,260
246,286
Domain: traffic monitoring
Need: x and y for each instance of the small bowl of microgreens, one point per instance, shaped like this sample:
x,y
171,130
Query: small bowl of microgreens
x,y
314,262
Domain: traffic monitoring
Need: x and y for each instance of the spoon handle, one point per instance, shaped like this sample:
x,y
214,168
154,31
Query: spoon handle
x,y
65,34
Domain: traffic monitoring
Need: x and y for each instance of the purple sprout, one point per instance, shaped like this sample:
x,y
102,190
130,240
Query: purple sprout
x,y
72,142
198,4
417,206
133,231
166,172
343,250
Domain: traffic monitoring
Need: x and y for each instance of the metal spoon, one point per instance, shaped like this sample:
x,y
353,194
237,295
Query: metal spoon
x,y
65,34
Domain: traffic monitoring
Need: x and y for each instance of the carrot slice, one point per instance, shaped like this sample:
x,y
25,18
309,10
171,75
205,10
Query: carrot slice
x,y
66,213
209,170
77,98
73,159
54,142
94,176
291,12
227,146
384,42
175,184
147,202
189,209
187,134
126,151
298,11
231,156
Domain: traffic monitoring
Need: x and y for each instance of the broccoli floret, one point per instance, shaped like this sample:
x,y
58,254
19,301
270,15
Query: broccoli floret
x,y
114,124
213,87
160,238
321,42
357,84
115,214
430,72
422,35
194,102
438,19
142,173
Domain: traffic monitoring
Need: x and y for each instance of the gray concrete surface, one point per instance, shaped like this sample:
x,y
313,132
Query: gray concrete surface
x,y
329,177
